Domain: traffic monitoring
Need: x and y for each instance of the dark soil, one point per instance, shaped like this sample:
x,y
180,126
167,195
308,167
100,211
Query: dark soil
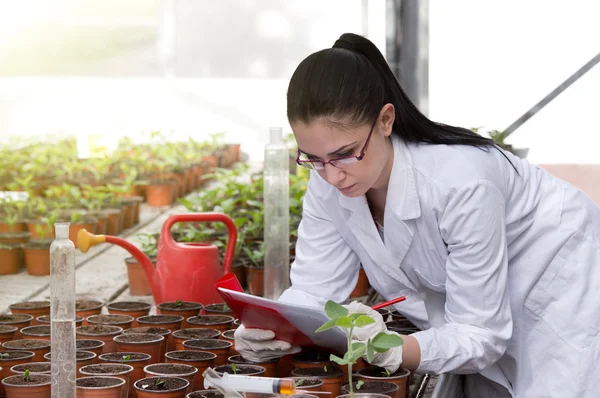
x,y
114,318
79,355
14,318
97,382
237,322
240,370
218,308
106,369
332,371
190,355
312,355
19,380
307,382
196,333
230,334
46,319
371,387
10,355
82,305
27,344
207,344
148,330
158,319
170,383
129,306
120,356
238,359
41,330
171,369
400,324
88,344
29,305
181,306
97,330
8,329
39,367
375,371
205,394
137,338
210,319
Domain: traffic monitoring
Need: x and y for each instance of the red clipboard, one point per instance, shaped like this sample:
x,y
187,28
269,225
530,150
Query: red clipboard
x,y
292,323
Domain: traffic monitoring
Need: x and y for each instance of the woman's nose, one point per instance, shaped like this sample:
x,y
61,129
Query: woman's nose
x,y
333,175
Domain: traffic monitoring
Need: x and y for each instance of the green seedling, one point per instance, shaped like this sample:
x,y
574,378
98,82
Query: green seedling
x,y
178,304
299,383
159,383
234,368
386,373
26,376
339,316
3,355
359,384
126,357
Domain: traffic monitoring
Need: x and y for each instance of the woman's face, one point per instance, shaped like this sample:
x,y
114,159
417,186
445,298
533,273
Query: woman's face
x,y
324,140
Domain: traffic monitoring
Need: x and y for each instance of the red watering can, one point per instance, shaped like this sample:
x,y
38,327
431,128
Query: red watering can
x,y
184,271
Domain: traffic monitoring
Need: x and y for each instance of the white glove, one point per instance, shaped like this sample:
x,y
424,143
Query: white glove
x,y
257,345
392,358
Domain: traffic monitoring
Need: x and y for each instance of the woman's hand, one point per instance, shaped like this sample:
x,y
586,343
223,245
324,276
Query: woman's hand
x,y
258,345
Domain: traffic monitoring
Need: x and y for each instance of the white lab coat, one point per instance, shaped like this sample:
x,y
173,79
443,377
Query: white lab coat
x,y
502,270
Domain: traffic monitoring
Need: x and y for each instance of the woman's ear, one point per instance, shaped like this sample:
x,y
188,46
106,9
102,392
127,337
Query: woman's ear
x,y
387,115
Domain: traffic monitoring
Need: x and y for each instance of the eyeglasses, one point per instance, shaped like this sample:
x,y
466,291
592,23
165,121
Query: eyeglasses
x,y
302,158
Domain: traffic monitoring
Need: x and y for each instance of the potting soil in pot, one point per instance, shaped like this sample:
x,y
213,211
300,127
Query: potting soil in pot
x,y
191,355
121,357
27,344
319,372
307,382
196,334
374,371
96,382
170,369
29,305
106,369
158,319
371,387
207,343
170,383
82,305
19,380
14,318
108,319
207,394
148,330
12,355
42,330
129,306
217,308
88,344
138,338
240,369
181,305
38,367
97,329
10,329
210,319
79,355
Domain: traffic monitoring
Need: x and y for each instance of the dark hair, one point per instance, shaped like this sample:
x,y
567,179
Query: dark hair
x,y
352,81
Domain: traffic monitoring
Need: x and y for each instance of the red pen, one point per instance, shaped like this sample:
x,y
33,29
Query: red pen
x,y
394,301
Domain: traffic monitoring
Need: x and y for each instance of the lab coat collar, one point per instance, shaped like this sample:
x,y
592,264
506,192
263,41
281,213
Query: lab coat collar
x,y
402,197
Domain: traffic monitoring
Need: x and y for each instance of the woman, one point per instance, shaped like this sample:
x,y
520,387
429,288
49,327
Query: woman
x,y
499,260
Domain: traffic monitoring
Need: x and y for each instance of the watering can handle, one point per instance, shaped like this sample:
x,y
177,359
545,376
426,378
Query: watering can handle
x,y
208,217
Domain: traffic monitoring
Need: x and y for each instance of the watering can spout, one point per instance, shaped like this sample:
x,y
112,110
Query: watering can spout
x,y
85,240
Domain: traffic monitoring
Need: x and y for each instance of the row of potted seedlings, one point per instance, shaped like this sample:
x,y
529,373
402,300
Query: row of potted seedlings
x,y
129,352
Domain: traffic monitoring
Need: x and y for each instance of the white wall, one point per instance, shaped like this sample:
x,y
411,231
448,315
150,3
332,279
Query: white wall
x,y
490,61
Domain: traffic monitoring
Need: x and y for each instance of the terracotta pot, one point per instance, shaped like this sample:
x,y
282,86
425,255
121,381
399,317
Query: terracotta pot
x,y
240,272
100,332
268,365
10,260
218,322
179,336
255,277
99,387
33,308
82,358
228,335
7,333
37,258
15,238
218,347
175,387
217,309
74,229
135,359
401,378
17,320
119,370
198,359
138,281
45,320
162,370
311,359
101,221
236,324
40,332
33,367
160,194
85,308
332,378
122,321
171,322
38,347
38,386
134,309
10,360
308,383
246,370
146,343
94,346
362,285
164,332
16,227
186,309
37,229
113,221
381,388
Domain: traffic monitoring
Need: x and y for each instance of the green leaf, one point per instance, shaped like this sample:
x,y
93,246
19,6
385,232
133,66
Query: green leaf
x,y
359,384
357,345
363,321
337,360
357,315
370,352
327,325
358,353
334,310
344,322
384,341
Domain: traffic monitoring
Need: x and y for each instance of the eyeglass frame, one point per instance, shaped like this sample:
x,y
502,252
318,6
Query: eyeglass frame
x,y
358,158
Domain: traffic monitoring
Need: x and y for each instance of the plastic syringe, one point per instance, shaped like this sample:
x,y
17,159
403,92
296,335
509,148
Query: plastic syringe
x,y
241,383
